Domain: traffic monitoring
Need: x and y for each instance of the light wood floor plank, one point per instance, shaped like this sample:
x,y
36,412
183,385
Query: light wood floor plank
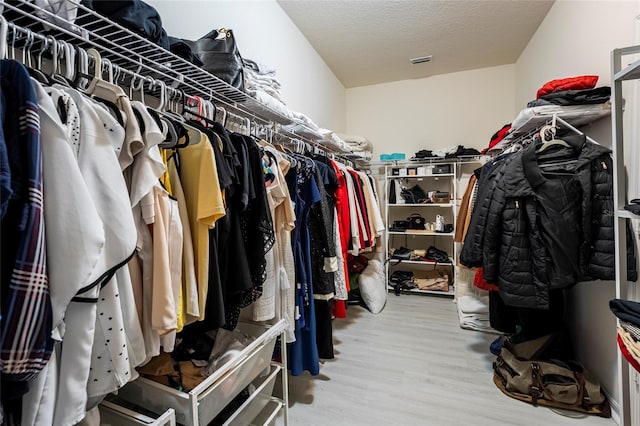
x,y
411,365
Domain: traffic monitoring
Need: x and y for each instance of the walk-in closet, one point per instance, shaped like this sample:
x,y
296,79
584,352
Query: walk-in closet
x,y
319,212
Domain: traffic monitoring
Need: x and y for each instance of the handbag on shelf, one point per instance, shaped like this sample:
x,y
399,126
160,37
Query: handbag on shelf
x,y
399,226
436,255
401,253
220,56
439,197
414,195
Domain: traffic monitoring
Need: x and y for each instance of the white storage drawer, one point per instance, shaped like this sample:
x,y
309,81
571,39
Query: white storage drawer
x,y
115,415
204,402
257,401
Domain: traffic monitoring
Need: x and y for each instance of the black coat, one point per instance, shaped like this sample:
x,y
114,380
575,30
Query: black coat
x,y
488,178
542,234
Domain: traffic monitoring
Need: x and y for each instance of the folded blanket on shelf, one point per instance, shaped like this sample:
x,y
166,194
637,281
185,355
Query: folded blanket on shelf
x,y
264,80
303,119
269,101
261,77
357,143
334,141
258,67
302,130
251,86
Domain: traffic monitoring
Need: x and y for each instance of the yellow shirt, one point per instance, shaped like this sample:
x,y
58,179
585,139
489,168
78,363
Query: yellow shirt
x,y
165,179
202,193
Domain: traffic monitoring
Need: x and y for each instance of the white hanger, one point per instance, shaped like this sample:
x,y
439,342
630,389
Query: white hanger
x,y
97,69
26,52
3,37
70,60
546,143
83,66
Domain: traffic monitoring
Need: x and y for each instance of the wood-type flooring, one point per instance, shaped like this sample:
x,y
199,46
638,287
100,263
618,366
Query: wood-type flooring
x,y
411,365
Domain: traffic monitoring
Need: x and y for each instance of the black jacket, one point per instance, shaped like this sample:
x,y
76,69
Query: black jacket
x,y
545,233
488,178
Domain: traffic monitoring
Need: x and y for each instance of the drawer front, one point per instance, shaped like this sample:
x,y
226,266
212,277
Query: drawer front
x,y
116,415
215,398
256,401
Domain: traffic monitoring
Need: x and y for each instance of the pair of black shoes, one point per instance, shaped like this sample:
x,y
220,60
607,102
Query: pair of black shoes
x,y
401,280
437,255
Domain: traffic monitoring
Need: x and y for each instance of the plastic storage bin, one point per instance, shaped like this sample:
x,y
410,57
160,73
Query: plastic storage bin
x,y
208,399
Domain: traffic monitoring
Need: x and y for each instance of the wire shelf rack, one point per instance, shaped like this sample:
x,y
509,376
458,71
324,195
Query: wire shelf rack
x,y
135,53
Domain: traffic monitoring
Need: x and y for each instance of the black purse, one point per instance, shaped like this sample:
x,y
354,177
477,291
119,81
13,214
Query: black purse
x,y
399,226
414,195
437,255
220,56
401,253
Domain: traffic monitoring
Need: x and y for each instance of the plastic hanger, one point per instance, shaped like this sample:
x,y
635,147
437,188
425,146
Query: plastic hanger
x,y
26,50
544,136
59,50
3,37
82,69
33,72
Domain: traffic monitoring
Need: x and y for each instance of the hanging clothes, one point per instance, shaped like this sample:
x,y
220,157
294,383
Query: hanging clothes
x,y
303,353
281,275
204,203
26,344
67,230
536,214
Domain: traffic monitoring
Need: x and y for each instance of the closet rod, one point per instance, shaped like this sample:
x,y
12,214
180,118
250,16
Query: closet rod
x,y
313,146
576,130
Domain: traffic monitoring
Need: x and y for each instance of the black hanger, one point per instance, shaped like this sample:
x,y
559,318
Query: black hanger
x,y
39,76
112,108
139,119
156,117
181,131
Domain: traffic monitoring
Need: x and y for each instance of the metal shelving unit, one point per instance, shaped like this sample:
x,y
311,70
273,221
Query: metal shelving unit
x,y
629,411
419,238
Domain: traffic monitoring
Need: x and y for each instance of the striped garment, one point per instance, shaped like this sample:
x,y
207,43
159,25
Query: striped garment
x,y
25,340
632,329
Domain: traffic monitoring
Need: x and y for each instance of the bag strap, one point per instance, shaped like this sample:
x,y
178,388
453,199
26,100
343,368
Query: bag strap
x,y
536,389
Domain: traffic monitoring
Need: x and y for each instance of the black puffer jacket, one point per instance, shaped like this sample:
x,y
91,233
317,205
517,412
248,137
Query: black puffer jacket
x,y
514,255
488,178
544,233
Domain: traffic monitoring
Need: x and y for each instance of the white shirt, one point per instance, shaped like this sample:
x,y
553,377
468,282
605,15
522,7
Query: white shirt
x,y
75,240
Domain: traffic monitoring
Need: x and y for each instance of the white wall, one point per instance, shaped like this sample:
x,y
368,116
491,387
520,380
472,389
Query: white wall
x,y
463,108
265,33
576,38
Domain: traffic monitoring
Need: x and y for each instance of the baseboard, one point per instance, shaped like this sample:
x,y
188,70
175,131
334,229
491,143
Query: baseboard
x,y
615,407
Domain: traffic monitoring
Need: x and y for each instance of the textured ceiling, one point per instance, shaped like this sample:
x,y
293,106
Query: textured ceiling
x,y
371,41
